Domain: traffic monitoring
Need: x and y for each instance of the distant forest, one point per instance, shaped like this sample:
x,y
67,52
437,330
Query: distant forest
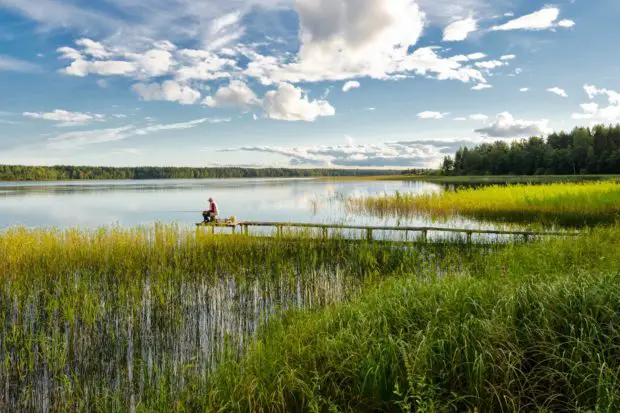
x,y
65,173
593,150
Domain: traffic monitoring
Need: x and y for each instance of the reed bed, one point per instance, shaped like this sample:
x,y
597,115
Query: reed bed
x,y
563,204
533,327
139,319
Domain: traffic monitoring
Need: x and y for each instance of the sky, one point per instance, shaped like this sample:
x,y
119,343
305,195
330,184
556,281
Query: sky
x,y
297,83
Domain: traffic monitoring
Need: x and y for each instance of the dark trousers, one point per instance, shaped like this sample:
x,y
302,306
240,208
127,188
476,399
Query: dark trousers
x,y
209,216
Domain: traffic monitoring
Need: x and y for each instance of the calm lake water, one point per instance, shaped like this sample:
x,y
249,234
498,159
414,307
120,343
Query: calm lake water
x,y
92,204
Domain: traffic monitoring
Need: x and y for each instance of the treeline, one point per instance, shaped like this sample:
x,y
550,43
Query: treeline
x,y
593,150
65,173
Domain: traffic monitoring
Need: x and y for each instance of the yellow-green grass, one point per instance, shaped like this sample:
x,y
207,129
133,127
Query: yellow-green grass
x,y
530,328
106,319
566,204
482,179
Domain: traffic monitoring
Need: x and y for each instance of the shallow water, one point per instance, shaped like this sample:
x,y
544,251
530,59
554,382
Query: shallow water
x,y
128,203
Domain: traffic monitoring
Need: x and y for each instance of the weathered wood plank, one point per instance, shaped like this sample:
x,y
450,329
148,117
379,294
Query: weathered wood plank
x,y
467,231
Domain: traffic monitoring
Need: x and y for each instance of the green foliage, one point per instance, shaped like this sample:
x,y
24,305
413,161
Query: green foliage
x,y
529,328
65,173
583,151
565,204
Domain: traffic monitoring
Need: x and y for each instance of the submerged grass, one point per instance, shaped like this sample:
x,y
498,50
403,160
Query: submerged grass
x,y
529,328
133,319
565,204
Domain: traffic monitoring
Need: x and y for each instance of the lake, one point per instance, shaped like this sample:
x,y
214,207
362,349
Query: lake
x,y
91,204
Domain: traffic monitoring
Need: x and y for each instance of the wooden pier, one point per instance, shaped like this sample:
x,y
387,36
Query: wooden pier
x,y
369,231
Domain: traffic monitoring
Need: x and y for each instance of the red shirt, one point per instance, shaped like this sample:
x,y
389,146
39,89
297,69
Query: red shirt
x,y
213,207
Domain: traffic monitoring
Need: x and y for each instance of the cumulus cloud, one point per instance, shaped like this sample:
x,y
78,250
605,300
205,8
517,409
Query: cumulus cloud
x,y
506,126
432,115
72,140
292,104
595,111
390,154
170,90
236,94
507,57
540,20
351,84
524,89
558,91
460,29
65,118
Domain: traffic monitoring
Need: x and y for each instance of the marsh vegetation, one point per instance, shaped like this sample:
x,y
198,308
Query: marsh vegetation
x,y
161,318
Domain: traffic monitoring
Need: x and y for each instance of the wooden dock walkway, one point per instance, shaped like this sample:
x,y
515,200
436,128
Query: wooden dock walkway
x,y
369,230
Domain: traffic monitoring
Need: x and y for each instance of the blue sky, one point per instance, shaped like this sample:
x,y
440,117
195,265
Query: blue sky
x,y
336,83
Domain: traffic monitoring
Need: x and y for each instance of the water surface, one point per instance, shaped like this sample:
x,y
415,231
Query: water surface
x,y
93,204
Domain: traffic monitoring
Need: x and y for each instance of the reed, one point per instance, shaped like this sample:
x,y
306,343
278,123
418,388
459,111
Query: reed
x,y
529,328
564,204
133,319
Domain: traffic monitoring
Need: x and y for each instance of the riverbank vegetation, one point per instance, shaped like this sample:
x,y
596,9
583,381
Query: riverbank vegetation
x,y
117,319
564,204
164,319
529,328
67,173
593,150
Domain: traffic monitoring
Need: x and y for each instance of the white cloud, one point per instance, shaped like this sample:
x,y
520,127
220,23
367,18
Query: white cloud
x,y
236,94
595,111
567,24
432,115
481,86
460,119
490,65
290,103
558,91
479,117
11,64
524,89
72,140
506,126
540,20
390,154
65,118
476,56
507,57
460,29
351,84
169,90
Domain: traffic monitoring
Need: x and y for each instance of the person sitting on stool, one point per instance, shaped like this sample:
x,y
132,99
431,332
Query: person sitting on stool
x,y
211,214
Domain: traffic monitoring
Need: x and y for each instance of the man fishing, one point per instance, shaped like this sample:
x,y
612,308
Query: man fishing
x,y
211,214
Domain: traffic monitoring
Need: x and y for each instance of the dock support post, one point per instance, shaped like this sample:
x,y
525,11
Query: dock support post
x,y
212,229
469,236
369,234
246,229
424,235
234,229
325,232
526,237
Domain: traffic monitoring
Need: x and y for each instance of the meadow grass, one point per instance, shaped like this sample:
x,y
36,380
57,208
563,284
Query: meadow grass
x,y
529,328
133,319
564,204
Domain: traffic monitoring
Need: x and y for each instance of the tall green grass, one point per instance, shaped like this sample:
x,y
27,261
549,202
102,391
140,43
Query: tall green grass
x,y
530,328
138,319
565,204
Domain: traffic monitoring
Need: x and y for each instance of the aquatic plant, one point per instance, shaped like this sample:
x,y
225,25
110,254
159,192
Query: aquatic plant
x,y
123,319
532,327
565,204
